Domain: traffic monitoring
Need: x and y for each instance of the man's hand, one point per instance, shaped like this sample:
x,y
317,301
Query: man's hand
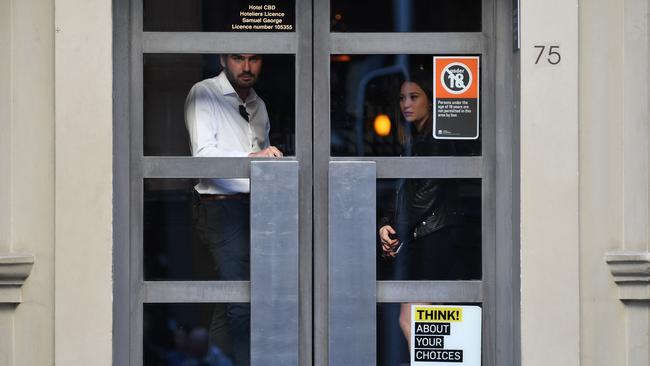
x,y
387,243
269,152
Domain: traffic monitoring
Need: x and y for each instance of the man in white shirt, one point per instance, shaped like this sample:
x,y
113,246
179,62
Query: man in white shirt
x,y
226,118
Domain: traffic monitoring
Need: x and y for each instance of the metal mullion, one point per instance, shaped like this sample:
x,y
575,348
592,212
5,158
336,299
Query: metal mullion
x,y
488,214
352,268
191,167
430,291
304,144
507,253
321,151
424,167
219,42
410,43
136,187
274,273
121,184
196,291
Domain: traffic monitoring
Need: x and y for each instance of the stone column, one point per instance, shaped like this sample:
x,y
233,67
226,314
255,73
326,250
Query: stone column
x,y
630,266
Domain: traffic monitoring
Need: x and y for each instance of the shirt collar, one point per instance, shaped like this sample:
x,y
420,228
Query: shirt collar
x,y
227,88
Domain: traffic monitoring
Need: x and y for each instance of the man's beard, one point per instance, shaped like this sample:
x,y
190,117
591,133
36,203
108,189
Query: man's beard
x,y
235,81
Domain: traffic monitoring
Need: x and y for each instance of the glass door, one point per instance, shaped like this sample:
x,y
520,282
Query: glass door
x,y
265,149
214,257
412,178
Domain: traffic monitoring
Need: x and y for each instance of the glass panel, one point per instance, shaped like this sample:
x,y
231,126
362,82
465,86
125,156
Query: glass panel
x,y
196,334
168,79
429,229
219,15
393,329
406,16
375,112
192,236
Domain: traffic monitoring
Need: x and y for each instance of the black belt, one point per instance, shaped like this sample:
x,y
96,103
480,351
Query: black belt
x,y
225,197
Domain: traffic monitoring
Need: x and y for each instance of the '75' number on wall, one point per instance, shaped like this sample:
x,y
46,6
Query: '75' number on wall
x,y
553,56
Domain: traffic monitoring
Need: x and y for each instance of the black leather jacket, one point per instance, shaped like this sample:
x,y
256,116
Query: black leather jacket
x,y
424,206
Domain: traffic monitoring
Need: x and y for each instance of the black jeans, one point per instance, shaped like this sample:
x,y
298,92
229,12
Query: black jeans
x,y
442,255
224,227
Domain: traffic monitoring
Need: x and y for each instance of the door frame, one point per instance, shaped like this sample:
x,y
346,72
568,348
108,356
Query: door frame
x,y
312,44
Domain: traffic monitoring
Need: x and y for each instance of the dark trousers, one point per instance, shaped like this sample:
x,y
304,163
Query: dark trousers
x,y
446,254
224,227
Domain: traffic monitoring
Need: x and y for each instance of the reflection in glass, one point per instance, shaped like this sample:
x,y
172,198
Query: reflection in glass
x,y
192,334
405,16
429,229
368,118
192,236
392,348
189,236
170,251
168,79
219,15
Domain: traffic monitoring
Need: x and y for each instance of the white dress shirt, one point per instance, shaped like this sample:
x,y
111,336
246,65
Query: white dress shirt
x,y
217,129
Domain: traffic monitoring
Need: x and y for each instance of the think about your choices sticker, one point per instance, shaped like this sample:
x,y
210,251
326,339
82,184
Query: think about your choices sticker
x,y
445,335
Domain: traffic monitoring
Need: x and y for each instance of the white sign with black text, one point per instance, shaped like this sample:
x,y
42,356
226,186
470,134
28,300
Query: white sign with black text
x,y
445,335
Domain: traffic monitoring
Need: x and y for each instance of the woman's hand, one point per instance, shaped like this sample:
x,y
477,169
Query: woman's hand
x,y
388,243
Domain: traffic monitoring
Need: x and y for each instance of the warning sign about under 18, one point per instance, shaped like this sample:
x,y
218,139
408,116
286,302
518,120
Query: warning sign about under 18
x,y
456,97
445,335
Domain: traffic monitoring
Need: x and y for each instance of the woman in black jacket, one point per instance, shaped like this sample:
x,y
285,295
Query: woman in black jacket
x,y
426,226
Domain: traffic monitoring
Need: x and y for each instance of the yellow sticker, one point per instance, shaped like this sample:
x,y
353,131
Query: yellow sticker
x,y
438,315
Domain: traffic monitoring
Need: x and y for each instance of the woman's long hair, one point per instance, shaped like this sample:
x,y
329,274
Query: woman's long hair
x,y
405,130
